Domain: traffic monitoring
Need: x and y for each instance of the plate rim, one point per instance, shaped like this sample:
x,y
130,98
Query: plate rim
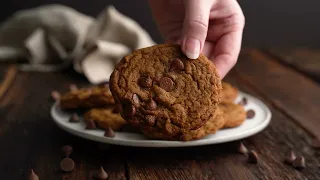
x,y
169,144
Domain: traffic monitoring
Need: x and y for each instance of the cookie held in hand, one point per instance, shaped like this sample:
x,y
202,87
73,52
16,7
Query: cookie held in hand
x,y
159,89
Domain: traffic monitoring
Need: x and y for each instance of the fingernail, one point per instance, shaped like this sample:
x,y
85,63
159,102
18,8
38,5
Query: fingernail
x,y
192,48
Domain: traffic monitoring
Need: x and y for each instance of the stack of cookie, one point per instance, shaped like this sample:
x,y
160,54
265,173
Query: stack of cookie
x,y
167,96
98,105
162,94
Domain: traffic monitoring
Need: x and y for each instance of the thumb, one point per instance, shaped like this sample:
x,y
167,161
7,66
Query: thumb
x,y
195,27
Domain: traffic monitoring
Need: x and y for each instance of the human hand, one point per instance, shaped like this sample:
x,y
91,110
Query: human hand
x,y
213,27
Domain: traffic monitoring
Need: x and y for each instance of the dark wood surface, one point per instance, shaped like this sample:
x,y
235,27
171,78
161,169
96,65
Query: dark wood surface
x,y
30,139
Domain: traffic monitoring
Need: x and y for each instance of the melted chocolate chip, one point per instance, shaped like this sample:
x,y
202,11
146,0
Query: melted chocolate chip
x,y
250,114
152,105
67,164
177,65
150,120
145,81
166,83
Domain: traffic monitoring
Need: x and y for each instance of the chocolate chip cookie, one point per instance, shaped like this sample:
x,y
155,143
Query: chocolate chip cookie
x,y
160,90
89,97
105,118
211,127
233,114
229,93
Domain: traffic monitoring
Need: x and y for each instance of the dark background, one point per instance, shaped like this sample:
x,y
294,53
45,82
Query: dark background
x,y
271,23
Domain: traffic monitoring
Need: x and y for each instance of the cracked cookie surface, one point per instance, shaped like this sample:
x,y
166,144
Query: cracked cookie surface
x,y
160,90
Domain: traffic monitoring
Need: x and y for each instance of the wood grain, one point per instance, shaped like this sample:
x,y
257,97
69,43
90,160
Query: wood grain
x,y
292,93
30,139
304,60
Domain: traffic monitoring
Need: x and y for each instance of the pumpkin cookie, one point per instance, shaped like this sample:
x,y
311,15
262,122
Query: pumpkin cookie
x,y
163,92
105,118
229,93
233,114
91,97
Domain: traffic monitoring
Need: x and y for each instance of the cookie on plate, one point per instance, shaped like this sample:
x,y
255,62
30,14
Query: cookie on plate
x,y
158,88
233,114
211,127
90,97
105,118
229,93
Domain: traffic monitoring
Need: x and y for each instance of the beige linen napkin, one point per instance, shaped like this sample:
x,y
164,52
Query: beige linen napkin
x,y
55,37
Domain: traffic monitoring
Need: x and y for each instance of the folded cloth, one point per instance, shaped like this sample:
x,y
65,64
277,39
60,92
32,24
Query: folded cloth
x,y
54,37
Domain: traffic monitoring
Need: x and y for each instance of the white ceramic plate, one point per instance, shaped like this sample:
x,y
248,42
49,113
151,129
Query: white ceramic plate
x,y
248,128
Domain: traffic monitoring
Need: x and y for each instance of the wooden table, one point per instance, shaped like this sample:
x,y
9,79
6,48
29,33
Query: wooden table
x,y
29,139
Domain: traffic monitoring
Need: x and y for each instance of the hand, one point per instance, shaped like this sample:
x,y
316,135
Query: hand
x,y
211,27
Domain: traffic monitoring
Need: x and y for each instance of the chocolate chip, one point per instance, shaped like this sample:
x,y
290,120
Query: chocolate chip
x,y
250,114
67,164
33,176
152,105
299,162
243,149
136,99
55,95
166,83
129,110
101,174
290,157
90,124
145,81
73,87
177,65
67,150
109,132
243,102
74,118
150,119
253,156
315,143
